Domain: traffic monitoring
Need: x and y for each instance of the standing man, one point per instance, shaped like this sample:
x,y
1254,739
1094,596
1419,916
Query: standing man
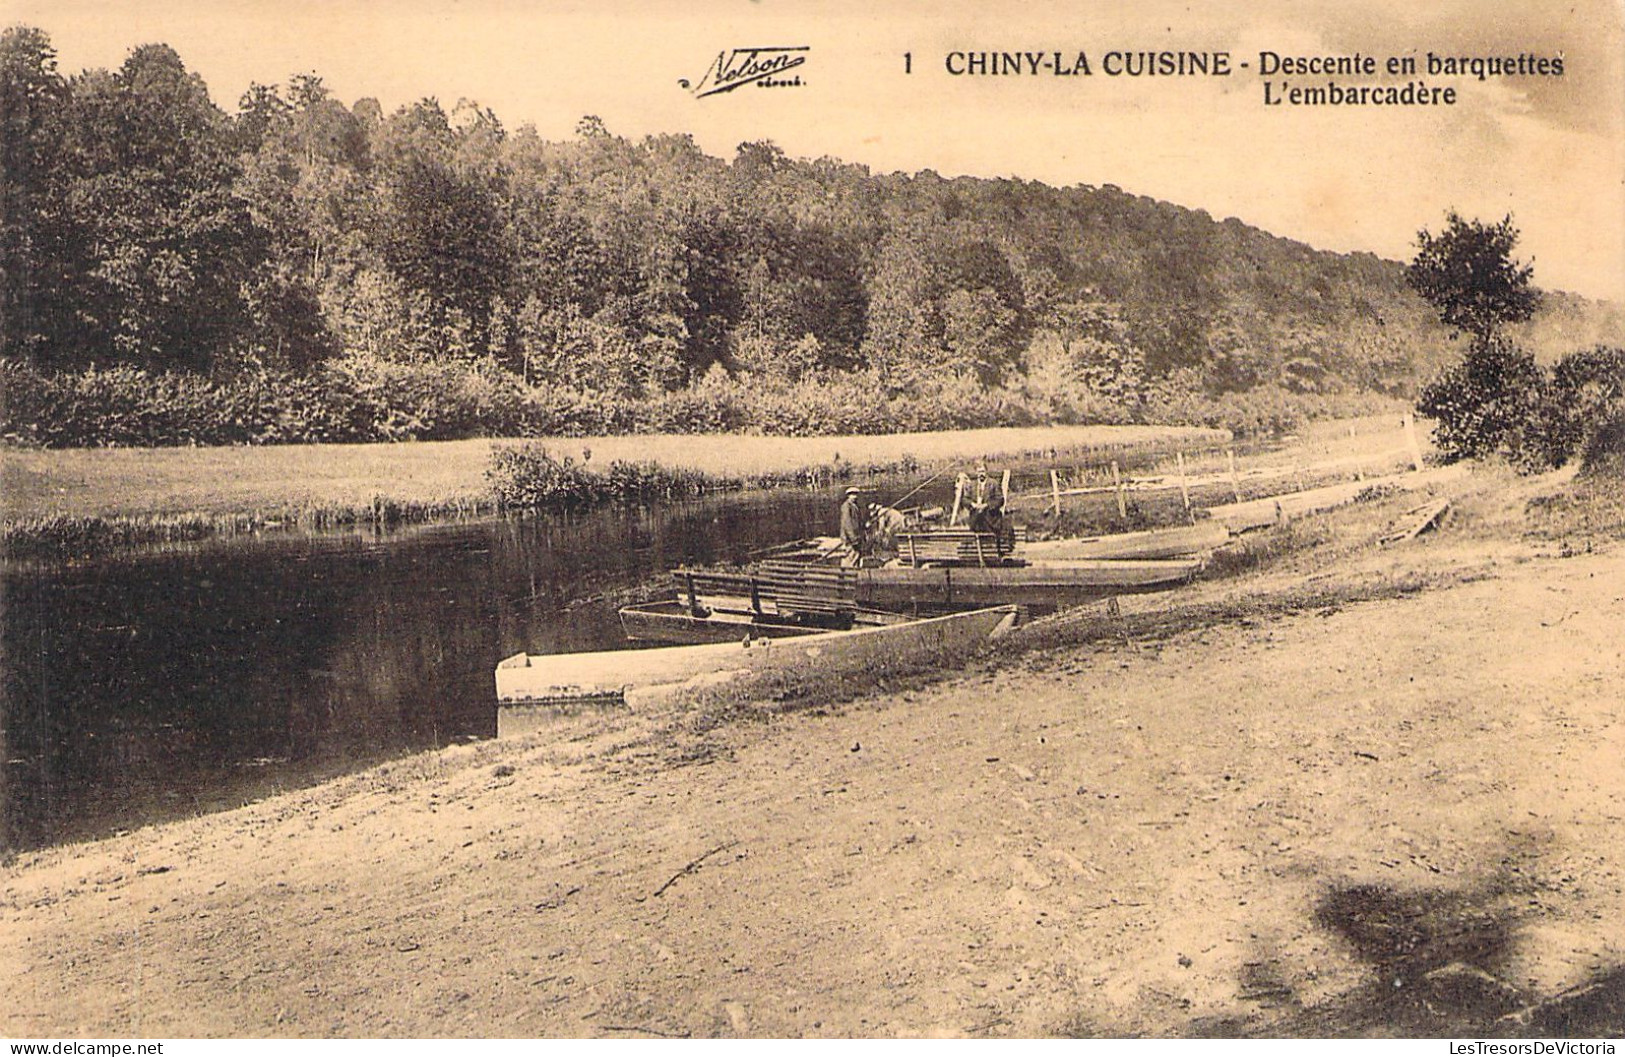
x,y
854,528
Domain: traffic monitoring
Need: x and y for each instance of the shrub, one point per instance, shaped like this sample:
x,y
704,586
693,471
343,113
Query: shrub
x,y
362,398
529,477
1588,391
1605,449
1495,401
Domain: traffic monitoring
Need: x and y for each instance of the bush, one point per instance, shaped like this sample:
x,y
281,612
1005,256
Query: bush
x,y
1588,392
1605,449
1495,401
431,401
363,398
1498,400
529,477
351,400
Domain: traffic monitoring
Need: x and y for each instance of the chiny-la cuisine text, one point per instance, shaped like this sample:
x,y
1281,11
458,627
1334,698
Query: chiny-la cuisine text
x,y
1329,75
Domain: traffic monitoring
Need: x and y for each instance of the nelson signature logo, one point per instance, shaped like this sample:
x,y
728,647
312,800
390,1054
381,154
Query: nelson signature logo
x,y
737,67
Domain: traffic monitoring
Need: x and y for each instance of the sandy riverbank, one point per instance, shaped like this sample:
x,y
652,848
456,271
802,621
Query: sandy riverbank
x,y
1398,815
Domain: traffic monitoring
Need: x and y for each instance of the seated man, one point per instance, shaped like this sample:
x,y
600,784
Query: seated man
x,y
988,515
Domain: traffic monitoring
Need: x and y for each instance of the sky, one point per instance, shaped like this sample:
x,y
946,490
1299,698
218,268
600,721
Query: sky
x,y
1549,150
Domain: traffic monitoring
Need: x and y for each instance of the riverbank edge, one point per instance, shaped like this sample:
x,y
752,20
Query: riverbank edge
x,y
288,484
1319,564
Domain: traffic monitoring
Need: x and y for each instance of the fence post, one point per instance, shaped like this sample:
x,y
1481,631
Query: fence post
x,y
1235,478
1184,489
1055,490
1122,504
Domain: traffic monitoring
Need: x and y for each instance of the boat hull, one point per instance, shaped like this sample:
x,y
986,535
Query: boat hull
x,y
1275,510
674,623
643,677
1039,584
1179,542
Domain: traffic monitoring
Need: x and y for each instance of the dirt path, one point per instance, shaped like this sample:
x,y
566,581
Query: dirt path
x,y
1401,816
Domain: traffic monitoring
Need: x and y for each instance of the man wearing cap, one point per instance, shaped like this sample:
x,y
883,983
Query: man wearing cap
x,y
854,527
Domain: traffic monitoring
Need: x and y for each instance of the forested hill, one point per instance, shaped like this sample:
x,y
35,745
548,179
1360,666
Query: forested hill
x,y
145,225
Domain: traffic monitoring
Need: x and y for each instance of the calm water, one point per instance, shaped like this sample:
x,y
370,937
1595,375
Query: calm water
x,y
157,685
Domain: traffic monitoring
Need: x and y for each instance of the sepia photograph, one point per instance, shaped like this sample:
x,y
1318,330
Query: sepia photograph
x,y
773,519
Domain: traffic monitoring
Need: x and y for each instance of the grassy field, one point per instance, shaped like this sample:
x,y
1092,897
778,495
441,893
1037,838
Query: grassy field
x,y
134,482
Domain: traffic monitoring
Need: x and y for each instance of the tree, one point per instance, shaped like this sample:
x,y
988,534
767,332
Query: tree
x,y
1497,400
1467,273
438,226
30,93
157,247
975,324
1492,402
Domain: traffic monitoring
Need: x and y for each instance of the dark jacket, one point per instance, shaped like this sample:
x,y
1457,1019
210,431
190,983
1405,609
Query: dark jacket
x,y
853,529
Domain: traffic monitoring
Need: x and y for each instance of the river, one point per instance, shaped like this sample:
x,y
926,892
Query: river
x,y
155,685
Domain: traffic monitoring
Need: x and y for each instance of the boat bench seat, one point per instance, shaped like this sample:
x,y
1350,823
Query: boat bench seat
x,y
960,546
800,588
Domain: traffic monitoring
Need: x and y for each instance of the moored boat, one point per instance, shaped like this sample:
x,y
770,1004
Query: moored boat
x,y
1178,542
1275,510
527,685
1039,585
677,623
785,588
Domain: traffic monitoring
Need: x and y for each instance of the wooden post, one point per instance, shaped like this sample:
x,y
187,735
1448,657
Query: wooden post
x,y
1004,487
1410,437
1184,489
1122,504
1235,478
1055,490
959,496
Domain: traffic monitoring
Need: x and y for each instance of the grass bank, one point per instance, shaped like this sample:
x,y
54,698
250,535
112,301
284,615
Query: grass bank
x,y
97,498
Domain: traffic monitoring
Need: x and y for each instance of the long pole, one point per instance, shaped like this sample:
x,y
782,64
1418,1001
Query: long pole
x,y
899,501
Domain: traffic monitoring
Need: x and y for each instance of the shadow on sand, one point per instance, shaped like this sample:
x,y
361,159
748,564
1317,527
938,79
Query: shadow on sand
x,y
1440,962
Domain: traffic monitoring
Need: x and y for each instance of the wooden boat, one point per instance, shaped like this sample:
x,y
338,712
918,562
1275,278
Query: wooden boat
x,y
1037,584
1178,542
783,589
677,623
1275,510
529,687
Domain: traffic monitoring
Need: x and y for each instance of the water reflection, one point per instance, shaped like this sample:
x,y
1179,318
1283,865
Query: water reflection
x,y
198,676
161,684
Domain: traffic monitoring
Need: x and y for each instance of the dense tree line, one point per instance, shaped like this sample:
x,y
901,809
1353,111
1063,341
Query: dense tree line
x,y
146,228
